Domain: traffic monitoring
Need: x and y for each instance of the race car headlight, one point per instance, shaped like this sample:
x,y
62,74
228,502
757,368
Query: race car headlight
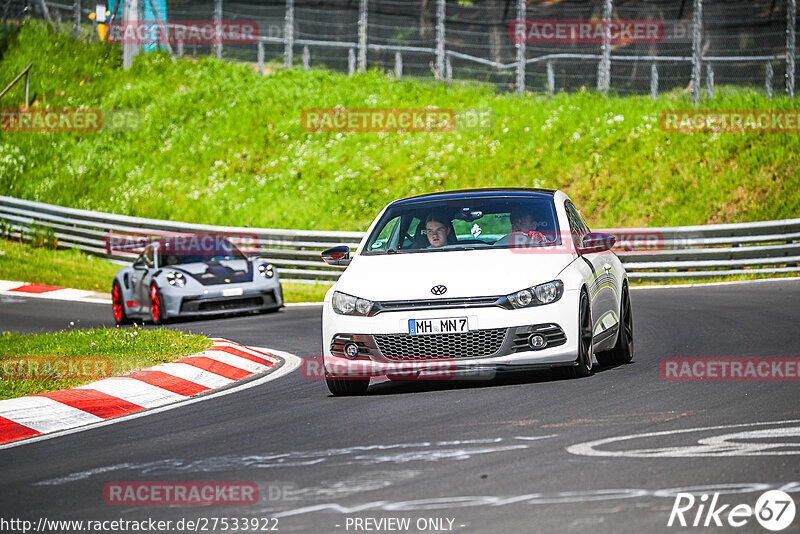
x,y
176,279
537,295
266,270
345,304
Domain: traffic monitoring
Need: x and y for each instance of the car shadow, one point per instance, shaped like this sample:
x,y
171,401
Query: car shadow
x,y
502,379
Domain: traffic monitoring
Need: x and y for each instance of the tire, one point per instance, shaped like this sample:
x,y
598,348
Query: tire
x,y
118,305
583,367
345,387
158,314
622,352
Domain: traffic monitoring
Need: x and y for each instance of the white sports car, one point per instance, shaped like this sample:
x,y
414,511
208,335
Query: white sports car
x,y
460,282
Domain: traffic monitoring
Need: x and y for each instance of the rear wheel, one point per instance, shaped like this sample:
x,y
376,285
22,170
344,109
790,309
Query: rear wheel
x,y
118,305
583,364
158,315
342,387
622,352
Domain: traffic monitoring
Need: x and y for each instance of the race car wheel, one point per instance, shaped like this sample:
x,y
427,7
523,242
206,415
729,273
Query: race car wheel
x,y
117,305
158,314
622,352
342,387
583,365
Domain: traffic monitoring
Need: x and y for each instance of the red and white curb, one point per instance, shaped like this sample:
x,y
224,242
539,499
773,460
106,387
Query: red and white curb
x,y
24,289
223,364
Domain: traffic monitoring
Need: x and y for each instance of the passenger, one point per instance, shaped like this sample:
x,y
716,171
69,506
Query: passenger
x,y
523,231
437,230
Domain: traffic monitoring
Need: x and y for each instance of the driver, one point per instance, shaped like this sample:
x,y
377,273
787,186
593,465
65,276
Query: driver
x,y
437,230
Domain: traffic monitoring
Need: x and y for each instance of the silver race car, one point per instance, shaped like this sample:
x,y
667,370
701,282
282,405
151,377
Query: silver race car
x,y
193,275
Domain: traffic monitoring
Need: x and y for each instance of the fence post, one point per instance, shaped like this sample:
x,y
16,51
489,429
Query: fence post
x,y
521,54
653,81
440,29
697,36
604,67
351,61
260,53
288,35
768,80
398,65
551,79
76,15
217,26
448,71
130,15
709,81
95,34
180,47
362,36
791,13
306,58
58,19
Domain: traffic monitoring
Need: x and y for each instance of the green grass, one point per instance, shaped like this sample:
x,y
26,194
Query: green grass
x,y
75,269
125,349
220,144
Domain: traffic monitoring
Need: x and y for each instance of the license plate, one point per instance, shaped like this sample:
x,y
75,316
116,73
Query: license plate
x,y
232,292
445,325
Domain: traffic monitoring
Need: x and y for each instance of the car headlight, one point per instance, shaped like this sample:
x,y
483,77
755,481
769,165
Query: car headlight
x,y
176,279
266,270
345,304
537,295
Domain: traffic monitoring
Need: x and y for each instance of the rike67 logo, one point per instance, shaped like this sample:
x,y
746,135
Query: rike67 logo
x,y
774,510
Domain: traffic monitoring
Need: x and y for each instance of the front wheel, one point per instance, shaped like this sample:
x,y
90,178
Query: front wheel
x,y
158,313
622,352
342,387
583,363
118,305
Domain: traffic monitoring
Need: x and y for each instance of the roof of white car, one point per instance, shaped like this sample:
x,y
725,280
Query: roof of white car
x,y
487,192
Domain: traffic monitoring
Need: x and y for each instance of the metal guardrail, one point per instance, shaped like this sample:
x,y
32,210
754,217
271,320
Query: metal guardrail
x,y
691,252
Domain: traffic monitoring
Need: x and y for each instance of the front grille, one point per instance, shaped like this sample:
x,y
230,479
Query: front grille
x,y
475,344
553,333
434,304
230,304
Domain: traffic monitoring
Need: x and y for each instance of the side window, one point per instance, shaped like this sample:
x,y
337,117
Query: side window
x,y
577,227
148,256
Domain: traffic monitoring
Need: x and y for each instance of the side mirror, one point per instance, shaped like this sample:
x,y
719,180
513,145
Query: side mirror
x,y
337,255
139,265
596,242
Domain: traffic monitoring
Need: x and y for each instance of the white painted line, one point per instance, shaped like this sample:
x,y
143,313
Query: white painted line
x,y
235,361
192,374
712,284
291,362
134,391
223,343
45,415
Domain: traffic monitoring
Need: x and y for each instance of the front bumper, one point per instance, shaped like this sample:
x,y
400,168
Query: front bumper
x,y
498,339
214,303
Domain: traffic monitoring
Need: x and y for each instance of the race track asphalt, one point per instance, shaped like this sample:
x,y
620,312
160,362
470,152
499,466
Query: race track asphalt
x,y
503,456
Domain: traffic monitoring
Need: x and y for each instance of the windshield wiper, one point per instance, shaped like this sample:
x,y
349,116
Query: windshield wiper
x,y
391,251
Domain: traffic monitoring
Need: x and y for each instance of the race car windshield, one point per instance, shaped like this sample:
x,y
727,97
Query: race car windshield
x,y
202,249
464,224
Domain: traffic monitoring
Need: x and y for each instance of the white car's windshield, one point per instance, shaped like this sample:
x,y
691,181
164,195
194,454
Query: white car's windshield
x,y
464,224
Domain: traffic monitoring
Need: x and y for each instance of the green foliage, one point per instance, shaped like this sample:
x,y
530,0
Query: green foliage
x,y
219,144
